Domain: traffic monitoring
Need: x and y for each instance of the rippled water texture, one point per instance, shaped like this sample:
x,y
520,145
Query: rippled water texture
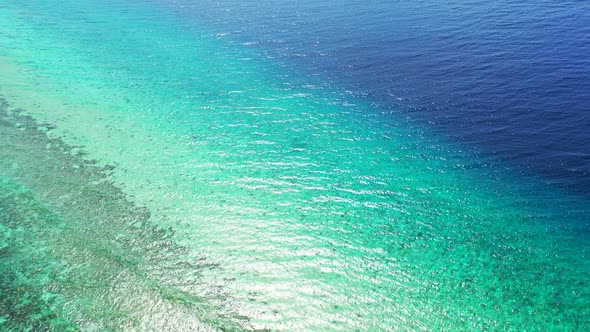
x,y
157,175
509,78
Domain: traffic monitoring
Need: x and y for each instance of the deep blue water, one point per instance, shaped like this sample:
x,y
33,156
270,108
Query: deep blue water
x,y
157,172
509,78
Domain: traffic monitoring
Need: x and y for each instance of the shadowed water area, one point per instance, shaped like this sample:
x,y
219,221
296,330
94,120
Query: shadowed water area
x,y
157,177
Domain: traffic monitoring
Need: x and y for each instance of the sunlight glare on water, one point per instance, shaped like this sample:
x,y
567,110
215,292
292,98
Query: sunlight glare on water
x,y
190,183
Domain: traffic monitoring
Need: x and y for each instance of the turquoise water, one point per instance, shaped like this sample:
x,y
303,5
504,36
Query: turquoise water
x,y
157,175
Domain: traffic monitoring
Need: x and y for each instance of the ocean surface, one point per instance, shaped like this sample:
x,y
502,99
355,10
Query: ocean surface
x,y
294,166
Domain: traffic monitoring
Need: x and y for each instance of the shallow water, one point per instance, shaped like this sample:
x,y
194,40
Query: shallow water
x,y
168,178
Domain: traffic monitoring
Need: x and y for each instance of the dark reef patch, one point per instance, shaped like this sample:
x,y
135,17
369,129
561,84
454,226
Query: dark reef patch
x,y
74,248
